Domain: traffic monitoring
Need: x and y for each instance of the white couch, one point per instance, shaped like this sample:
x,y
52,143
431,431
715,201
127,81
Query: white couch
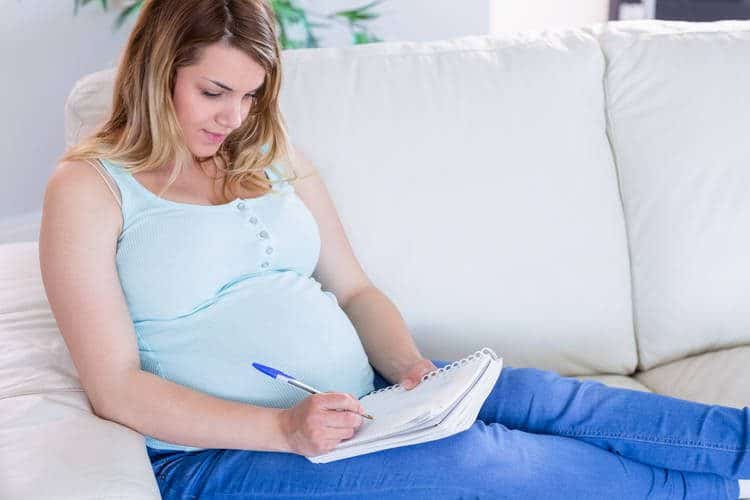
x,y
579,200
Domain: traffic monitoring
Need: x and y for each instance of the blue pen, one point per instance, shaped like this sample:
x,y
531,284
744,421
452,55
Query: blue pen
x,y
283,377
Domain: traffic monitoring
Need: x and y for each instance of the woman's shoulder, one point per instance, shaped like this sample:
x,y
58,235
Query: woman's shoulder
x,y
77,176
87,177
80,188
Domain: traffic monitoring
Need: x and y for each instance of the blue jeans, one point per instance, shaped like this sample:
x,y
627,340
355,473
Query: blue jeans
x,y
538,436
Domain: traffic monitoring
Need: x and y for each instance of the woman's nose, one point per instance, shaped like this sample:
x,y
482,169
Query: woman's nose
x,y
231,116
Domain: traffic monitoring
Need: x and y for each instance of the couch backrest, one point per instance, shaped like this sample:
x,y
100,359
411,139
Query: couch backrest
x,y
476,182
679,113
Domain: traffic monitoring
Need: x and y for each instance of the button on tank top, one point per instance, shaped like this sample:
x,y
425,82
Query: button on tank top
x,y
213,288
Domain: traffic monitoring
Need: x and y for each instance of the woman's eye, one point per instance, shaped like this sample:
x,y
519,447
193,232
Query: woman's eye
x,y
209,94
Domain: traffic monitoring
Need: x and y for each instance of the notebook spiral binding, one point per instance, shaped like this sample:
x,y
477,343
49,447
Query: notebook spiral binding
x,y
461,362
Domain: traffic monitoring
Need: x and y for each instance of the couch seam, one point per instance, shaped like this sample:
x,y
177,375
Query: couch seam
x,y
536,36
687,357
536,40
35,393
609,132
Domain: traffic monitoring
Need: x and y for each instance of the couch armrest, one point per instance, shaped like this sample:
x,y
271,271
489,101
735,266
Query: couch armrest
x,y
55,447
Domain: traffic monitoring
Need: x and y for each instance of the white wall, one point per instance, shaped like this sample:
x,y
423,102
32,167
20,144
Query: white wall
x,y
520,15
413,20
44,50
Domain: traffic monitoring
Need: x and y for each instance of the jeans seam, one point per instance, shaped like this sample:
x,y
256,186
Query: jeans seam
x,y
648,438
332,494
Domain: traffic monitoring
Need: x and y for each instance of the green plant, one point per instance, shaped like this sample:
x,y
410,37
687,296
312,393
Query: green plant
x,y
296,25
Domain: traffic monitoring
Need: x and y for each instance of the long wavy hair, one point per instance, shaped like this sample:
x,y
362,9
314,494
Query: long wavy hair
x,y
142,131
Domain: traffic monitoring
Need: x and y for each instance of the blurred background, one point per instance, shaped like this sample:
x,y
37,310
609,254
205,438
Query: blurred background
x,y
47,45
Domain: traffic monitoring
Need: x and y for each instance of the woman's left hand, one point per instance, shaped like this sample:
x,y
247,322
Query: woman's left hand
x,y
413,375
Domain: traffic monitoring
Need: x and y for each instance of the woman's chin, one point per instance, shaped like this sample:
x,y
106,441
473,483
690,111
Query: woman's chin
x,y
204,150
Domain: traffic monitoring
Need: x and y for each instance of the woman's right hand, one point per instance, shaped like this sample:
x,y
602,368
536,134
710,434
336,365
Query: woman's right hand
x,y
317,424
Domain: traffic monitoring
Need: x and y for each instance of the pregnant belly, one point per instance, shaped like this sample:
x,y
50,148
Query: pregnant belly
x,y
280,319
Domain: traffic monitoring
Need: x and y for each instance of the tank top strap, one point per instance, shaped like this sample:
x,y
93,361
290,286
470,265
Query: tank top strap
x,y
132,196
104,174
275,174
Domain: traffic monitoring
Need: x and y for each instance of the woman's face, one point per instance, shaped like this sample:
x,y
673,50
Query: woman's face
x,y
213,96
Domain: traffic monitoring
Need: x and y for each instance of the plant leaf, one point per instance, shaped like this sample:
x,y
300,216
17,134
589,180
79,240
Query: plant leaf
x,y
356,16
358,13
78,4
288,14
364,7
363,37
127,12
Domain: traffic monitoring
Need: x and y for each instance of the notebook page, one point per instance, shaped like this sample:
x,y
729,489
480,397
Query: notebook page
x,y
456,420
396,409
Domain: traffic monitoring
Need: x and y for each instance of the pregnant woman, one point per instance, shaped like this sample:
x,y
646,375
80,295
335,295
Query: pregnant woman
x,y
186,238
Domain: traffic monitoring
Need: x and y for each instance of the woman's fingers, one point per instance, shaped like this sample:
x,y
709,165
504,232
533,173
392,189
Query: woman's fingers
x,y
341,410
340,401
343,419
341,434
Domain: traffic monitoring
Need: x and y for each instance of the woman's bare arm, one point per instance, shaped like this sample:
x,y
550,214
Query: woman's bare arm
x,y
77,244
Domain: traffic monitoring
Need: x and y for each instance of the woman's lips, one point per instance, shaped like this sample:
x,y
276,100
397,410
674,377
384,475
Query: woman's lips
x,y
214,138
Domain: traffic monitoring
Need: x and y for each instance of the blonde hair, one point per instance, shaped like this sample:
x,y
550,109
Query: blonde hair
x,y
142,131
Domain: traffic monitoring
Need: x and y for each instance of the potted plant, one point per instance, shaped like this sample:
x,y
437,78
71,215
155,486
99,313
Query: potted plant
x,y
296,25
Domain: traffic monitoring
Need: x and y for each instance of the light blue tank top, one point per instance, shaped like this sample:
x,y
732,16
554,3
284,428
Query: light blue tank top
x,y
213,288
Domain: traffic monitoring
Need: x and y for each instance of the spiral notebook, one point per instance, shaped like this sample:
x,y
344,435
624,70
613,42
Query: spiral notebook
x,y
446,402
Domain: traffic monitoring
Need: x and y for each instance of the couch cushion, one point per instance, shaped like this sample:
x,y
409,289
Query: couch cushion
x,y
475,181
617,381
20,227
477,188
86,105
53,445
720,377
679,116
34,357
